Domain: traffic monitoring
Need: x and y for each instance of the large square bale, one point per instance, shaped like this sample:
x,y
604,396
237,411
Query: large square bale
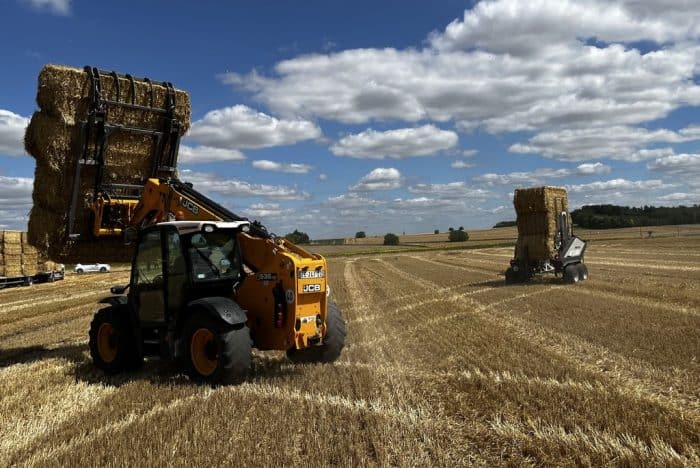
x,y
64,93
537,210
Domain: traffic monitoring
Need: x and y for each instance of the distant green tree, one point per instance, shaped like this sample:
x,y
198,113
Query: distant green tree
x,y
505,224
461,228
391,239
298,237
459,236
360,235
451,229
437,231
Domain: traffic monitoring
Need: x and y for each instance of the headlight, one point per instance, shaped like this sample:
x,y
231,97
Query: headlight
x,y
328,291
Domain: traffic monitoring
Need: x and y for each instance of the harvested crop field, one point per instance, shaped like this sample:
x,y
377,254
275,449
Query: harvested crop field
x,y
443,365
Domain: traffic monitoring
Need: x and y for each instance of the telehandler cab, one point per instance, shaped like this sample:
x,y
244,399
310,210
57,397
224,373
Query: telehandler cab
x,y
186,302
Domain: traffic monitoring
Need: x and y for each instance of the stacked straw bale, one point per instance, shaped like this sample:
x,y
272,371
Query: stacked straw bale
x,y
537,209
52,138
17,256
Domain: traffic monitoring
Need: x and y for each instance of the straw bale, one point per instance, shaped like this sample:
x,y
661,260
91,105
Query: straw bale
x,y
30,264
537,209
12,265
12,237
48,233
64,92
11,249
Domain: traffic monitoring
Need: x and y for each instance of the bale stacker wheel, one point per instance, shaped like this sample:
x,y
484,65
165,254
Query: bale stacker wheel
x,y
572,273
583,271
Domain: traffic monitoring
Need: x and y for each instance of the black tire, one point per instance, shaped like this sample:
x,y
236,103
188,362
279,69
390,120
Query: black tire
x,y
572,273
113,345
103,270
333,343
28,281
513,277
51,278
79,271
582,271
228,350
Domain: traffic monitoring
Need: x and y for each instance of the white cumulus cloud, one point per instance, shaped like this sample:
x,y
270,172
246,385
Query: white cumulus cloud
x,y
201,154
539,176
290,168
213,183
381,178
400,143
12,128
617,142
242,127
57,7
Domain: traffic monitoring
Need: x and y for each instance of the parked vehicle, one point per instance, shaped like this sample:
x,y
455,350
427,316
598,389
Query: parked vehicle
x,y
81,268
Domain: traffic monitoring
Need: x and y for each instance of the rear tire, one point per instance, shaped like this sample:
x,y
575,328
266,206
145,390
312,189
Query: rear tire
x,y
216,353
582,271
113,345
572,273
103,270
79,271
333,343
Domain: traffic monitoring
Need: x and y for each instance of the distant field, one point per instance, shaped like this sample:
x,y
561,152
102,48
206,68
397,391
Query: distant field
x,y
493,237
443,365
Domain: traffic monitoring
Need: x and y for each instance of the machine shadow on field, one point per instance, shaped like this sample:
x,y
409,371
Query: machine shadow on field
x,y
30,354
159,372
153,371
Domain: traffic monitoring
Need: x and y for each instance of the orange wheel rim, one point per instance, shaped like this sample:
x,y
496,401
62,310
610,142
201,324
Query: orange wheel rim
x,y
106,343
203,352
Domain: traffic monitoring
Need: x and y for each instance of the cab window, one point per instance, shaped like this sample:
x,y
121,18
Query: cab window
x,y
149,259
214,256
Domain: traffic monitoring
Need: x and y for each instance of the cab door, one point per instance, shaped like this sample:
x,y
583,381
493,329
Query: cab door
x,y
147,284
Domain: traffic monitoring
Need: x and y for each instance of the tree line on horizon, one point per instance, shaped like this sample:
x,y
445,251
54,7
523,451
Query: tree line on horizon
x,y
614,216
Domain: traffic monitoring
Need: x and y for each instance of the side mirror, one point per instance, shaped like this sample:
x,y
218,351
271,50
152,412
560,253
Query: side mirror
x,y
118,289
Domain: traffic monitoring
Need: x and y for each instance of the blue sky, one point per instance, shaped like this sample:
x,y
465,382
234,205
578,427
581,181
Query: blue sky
x,y
334,117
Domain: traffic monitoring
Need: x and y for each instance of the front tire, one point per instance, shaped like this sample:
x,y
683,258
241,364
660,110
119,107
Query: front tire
x,y
572,273
216,352
582,271
103,270
113,344
333,342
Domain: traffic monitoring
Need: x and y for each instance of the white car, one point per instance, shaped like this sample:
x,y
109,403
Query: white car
x,y
92,267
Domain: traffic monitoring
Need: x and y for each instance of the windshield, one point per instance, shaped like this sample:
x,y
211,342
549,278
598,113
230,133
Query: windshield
x,y
214,256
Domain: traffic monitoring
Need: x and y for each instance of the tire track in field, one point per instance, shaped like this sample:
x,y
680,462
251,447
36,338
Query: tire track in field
x,y
625,448
581,289
462,267
645,266
647,390
634,375
456,298
20,430
57,302
402,394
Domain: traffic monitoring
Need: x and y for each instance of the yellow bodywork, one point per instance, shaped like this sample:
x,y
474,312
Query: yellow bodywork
x,y
285,290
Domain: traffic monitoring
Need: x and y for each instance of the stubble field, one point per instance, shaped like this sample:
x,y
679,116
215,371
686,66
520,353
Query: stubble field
x,y
443,365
